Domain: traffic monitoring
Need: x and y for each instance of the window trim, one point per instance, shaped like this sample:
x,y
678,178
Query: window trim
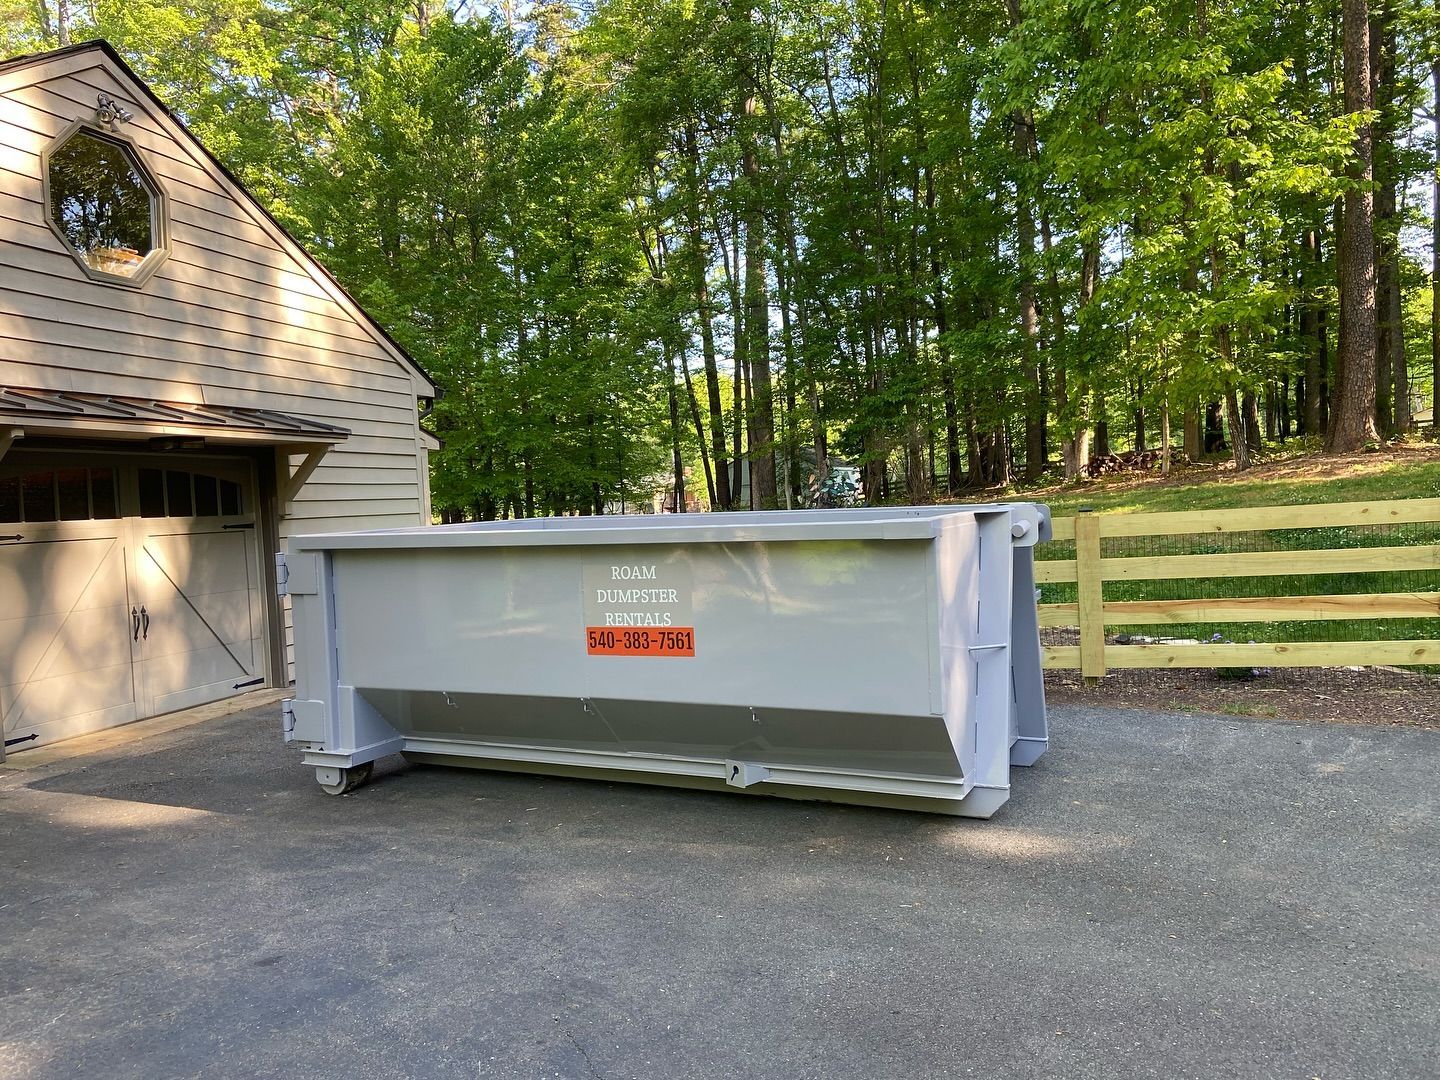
x,y
159,205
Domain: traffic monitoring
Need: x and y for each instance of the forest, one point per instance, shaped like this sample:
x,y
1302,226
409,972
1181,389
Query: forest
x,y
721,246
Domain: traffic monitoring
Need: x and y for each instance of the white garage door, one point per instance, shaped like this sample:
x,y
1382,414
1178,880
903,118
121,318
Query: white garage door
x,y
126,590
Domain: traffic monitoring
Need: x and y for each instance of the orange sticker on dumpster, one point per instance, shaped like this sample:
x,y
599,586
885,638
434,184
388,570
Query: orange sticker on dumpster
x,y
610,641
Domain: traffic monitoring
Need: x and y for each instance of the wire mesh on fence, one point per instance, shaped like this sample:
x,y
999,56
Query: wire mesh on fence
x,y
1223,587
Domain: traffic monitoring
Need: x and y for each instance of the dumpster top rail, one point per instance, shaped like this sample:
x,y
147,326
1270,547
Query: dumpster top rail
x,y
860,523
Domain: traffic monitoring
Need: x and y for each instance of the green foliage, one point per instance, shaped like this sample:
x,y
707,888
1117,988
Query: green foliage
x,y
940,226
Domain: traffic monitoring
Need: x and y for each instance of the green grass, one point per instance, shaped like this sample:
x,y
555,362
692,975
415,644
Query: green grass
x,y
1273,484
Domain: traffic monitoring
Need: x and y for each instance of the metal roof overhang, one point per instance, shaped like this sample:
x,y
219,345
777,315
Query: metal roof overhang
x,y
37,412
29,412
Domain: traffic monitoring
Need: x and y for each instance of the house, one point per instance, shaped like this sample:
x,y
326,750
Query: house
x,y
182,388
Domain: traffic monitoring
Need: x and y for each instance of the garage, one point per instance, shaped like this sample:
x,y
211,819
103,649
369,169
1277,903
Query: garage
x,y
182,388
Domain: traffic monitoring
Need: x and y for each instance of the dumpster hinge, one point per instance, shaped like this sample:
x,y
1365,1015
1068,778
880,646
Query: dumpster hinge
x,y
287,718
297,574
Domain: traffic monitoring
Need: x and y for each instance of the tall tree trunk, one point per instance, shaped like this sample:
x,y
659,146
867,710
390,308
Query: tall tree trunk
x,y
953,463
676,461
1352,419
1250,410
1239,437
1165,433
1076,447
697,261
1214,429
1310,339
757,305
1194,447
730,259
1224,342
699,429
1390,215
1435,260
1031,358
1101,449
1139,417
1392,411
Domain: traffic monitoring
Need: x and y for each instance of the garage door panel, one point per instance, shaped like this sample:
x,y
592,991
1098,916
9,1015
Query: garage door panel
x,y
50,577
68,727
69,702
177,627
198,564
194,677
61,645
24,643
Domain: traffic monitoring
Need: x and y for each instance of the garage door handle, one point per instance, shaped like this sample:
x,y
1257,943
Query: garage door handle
x,y
135,617
145,620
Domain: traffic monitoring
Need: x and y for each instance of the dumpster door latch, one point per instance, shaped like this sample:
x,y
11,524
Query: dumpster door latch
x,y
742,774
989,648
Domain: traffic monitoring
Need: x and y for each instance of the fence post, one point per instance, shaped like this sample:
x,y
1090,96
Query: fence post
x,y
1088,587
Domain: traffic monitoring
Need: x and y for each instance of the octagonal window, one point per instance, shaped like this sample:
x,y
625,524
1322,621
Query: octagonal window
x,y
103,205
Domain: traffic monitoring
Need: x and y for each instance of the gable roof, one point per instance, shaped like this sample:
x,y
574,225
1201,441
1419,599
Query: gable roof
x,y
99,45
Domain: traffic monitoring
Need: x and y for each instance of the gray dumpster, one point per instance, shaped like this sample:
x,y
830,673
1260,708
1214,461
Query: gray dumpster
x,y
879,656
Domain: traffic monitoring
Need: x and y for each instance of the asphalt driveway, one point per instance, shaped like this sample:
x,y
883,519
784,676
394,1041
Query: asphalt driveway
x,y
1165,896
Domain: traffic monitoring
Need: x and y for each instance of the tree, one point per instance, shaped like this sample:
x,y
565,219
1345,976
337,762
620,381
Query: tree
x,y
1352,421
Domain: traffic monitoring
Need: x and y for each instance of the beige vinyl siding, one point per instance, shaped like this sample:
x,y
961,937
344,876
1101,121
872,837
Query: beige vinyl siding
x,y
230,318
234,316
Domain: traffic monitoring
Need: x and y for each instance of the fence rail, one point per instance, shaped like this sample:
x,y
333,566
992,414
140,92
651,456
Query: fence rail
x,y
1090,571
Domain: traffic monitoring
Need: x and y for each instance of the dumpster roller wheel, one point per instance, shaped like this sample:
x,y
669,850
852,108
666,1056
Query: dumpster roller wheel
x,y
343,781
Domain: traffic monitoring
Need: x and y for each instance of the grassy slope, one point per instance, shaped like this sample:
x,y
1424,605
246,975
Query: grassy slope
x,y
1400,473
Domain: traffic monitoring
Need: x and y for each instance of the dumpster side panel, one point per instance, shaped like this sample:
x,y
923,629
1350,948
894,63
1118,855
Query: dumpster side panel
x,y
820,626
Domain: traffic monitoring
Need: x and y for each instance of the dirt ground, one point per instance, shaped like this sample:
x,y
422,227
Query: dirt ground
x,y
1296,464
1383,696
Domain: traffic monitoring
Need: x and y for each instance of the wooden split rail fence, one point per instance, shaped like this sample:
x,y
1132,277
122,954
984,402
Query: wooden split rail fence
x,y
1091,612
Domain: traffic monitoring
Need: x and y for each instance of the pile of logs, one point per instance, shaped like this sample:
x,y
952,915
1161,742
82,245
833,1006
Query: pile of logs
x,y
1130,460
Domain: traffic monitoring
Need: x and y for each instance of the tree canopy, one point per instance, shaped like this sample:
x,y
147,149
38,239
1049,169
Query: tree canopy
x,y
732,242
